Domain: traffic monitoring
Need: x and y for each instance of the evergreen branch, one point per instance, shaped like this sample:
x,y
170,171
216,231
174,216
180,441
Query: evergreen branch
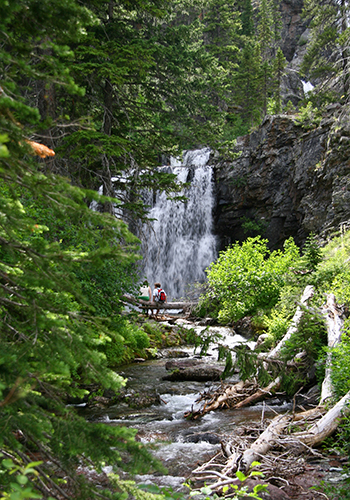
x,y
10,398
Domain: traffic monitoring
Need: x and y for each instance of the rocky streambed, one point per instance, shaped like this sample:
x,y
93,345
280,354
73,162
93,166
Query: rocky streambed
x,y
159,392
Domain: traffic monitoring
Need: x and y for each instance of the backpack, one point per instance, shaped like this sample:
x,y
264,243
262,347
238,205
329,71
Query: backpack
x,y
161,295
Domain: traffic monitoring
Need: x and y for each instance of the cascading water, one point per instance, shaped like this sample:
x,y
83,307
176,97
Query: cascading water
x,y
178,244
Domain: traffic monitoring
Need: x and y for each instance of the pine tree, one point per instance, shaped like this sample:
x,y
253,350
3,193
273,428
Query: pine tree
x,y
328,50
50,334
145,71
279,65
248,83
246,9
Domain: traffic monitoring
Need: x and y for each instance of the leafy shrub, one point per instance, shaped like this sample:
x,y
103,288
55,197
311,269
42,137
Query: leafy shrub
x,y
123,342
312,254
248,277
308,117
333,274
277,322
340,362
311,338
154,331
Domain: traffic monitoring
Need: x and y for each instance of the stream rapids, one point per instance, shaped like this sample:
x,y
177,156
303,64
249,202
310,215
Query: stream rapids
x,y
180,444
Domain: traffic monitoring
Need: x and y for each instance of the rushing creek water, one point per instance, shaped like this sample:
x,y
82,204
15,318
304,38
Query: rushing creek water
x,y
179,443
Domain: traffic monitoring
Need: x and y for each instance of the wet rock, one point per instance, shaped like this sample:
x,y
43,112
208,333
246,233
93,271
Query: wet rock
x,y
272,492
176,354
310,399
98,402
182,364
208,437
245,327
207,322
261,339
198,373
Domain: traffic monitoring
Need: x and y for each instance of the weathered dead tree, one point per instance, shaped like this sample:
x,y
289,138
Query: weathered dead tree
x,y
318,423
248,392
335,323
307,295
223,397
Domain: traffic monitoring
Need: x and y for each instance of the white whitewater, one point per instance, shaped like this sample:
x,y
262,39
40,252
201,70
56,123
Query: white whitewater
x,y
178,244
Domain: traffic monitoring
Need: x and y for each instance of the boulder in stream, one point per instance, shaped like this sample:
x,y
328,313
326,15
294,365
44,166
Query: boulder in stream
x,y
192,370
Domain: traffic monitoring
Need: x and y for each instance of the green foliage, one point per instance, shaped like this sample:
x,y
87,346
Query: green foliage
x,y
18,479
310,337
308,116
239,491
248,277
312,252
63,269
332,274
252,226
276,324
247,362
339,491
340,363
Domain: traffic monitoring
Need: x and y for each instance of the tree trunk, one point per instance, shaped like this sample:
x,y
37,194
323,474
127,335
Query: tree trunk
x,y
308,293
325,427
334,331
260,393
260,447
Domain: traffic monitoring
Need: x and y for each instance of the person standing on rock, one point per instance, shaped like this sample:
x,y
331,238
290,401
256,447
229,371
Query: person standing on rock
x,y
159,295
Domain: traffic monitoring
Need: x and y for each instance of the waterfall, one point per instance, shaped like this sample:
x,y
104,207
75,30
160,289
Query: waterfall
x,y
178,244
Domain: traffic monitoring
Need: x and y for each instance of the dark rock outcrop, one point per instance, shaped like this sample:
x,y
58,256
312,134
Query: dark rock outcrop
x,y
293,26
287,181
193,370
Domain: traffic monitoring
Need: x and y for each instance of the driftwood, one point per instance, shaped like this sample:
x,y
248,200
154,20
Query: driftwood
x,y
241,394
318,423
307,294
260,447
145,304
277,434
324,427
334,331
260,393
223,397
274,354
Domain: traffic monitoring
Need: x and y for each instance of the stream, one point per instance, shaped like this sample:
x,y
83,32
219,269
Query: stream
x,y
180,444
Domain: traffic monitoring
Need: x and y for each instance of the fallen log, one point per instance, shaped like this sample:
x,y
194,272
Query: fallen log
x,y
260,447
317,422
239,391
307,294
200,372
272,435
222,398
144,304
260,393
323,428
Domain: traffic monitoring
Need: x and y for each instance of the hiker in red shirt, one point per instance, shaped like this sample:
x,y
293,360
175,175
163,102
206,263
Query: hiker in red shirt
x,y
159,295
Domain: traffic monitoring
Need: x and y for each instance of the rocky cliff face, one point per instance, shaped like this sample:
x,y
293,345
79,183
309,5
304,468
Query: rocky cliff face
x,y
285,181
293,27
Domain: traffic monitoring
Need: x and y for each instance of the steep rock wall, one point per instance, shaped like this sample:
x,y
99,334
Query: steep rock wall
x,y
285,182
293,26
